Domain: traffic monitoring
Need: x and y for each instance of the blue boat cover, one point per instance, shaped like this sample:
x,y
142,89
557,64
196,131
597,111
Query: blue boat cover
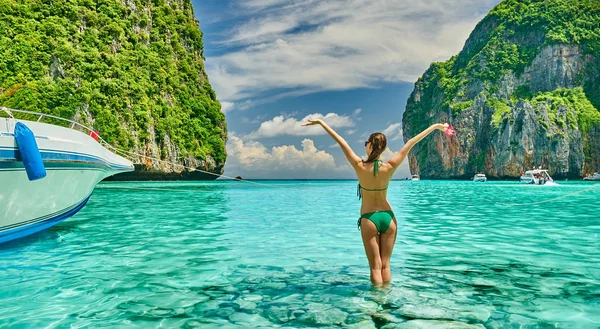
x,y
30,154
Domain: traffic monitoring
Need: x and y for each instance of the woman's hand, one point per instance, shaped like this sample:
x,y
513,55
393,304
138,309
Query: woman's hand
x,y
446,128
312,123
441,126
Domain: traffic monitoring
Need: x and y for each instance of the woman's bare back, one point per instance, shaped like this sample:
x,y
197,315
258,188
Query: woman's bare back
x,y
374,200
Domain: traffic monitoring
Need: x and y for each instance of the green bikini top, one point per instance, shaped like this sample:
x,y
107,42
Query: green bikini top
x,y
360,188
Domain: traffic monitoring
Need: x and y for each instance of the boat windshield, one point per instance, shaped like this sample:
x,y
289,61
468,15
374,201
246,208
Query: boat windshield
x,y
536,172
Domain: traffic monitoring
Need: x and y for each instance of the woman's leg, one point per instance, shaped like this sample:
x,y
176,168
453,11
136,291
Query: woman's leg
x,y
370,238
388,238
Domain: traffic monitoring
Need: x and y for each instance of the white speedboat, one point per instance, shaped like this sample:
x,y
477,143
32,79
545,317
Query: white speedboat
x,y
480,178
537,177
415,177
74,163
593,177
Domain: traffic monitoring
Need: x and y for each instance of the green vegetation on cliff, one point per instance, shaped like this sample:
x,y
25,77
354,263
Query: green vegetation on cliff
x,y
574,98
135,68
526,58
507,41
501,110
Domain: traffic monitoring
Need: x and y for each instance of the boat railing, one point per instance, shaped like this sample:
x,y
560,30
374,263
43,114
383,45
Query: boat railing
x,y
72,124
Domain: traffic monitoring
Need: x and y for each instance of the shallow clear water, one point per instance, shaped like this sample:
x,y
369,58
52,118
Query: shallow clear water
x,y
241,255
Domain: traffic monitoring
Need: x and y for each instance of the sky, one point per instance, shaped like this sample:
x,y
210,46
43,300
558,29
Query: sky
x,y
352,63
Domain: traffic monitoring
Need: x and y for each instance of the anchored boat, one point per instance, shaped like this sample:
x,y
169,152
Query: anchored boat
x,y
479,178
593,177
537,177
73,163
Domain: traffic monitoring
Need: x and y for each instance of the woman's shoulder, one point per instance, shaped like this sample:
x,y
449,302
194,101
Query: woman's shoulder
x,y
385,165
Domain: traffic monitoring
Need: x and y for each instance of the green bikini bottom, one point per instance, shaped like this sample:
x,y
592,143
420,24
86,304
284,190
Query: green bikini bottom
x,y
381,219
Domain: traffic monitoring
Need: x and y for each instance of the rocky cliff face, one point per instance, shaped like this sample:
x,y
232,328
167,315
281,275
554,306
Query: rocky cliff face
x,y
519,95
131,69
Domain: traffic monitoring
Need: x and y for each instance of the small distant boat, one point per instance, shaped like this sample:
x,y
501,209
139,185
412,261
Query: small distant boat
x,y
480,178
537,177
415,177
72,163
593,177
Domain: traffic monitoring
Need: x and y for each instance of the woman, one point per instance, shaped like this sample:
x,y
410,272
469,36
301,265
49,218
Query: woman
x,y
377,221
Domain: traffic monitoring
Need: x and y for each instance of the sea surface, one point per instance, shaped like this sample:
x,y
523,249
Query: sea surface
x,y
287,254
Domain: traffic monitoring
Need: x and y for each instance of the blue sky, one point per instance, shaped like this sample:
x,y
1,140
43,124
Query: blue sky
x,y
275,63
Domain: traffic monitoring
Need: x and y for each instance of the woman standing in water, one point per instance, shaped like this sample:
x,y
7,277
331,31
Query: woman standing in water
x,y
377,221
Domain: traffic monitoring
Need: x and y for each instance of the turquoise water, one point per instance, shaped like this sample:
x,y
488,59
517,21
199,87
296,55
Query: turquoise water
x,y
240,255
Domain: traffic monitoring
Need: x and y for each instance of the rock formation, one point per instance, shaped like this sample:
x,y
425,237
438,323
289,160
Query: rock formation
x,y
131,69
523,92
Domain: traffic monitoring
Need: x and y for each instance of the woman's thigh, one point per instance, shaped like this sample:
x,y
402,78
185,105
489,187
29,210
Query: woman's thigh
x,y
370,238
388,239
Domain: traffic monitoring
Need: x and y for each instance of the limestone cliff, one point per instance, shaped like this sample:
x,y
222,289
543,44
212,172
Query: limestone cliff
x,y
131,69
523,92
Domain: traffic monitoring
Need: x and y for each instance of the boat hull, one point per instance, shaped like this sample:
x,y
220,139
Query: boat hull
x,y
531,180
74,163
28,207
535,181
536,177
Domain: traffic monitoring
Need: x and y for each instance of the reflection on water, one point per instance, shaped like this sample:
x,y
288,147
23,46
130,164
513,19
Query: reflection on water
x,y
230,254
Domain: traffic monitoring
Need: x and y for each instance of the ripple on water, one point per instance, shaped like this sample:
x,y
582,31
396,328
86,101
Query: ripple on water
x,y
234,255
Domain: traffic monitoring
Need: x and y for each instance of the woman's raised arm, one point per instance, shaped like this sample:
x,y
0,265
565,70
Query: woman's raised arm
x,y
397,159
350,155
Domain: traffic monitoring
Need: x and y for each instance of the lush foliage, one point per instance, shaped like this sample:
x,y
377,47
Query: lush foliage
x,y
562,21
501,110
510,37
135,67
575,99
506,41
492,63
460,106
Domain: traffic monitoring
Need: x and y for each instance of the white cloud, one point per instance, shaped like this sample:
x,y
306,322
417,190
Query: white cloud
x,y
264,30
261,4
247,120
245,105
314,45
227,106
357,112
251,159
403,171
387,154
391,129
351,131
393,132
281,125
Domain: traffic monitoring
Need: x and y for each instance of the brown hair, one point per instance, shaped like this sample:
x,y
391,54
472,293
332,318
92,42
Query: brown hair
x,y
378,145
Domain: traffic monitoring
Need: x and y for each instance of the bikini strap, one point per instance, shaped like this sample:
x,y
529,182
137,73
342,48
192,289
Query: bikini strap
x,y
360,188
375,170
